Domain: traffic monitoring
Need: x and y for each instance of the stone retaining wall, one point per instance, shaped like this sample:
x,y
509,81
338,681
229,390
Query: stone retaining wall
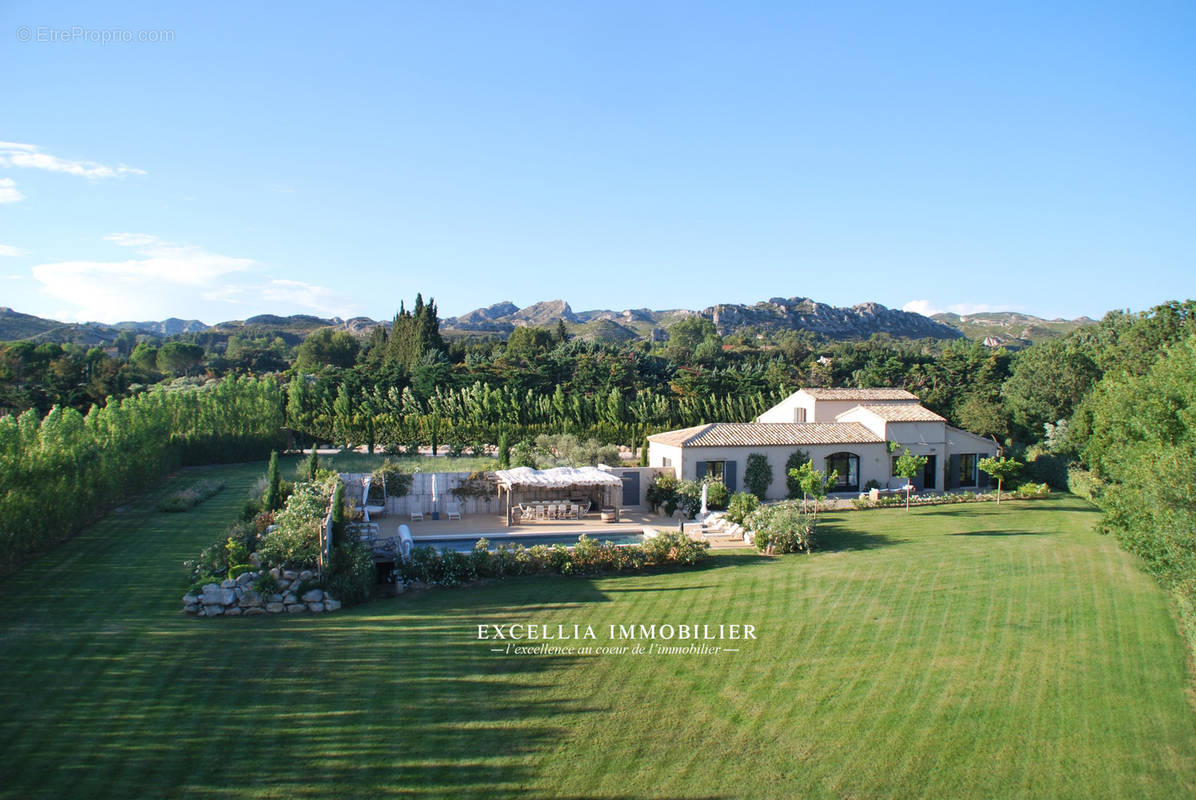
x,y
231,598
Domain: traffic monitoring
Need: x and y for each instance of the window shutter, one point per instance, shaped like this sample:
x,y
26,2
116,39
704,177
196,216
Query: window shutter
x,y
701,469
729,476
953,472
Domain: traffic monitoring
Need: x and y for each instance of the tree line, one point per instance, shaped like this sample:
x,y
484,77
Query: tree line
x,y
61,471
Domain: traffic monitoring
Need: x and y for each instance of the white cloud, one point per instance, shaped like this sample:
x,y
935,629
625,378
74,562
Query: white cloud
x,y
167,279
9,192
928,309
13,154
162,277
276,292
8,251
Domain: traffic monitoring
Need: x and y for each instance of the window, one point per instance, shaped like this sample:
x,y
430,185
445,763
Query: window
x,y
847,465
967,469
799,415
715,470
893,466
666,462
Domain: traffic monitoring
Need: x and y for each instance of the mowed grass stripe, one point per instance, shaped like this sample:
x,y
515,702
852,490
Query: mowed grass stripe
x,y
953,651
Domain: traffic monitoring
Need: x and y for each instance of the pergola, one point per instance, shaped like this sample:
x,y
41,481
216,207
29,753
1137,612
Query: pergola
x,y
559,483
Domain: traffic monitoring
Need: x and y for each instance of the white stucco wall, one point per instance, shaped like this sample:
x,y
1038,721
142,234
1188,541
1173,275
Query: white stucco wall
x,y
874,461
784,410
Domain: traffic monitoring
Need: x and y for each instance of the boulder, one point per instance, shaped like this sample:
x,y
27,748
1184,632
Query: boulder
x,y
213,595
306,575
276,572
249,612
255,559
331,605
296,608
252,598
246,578
284,584
290,599
316,607
313,596
190,599
213,610
235,611
191,608
276,598
275,608
227,583
290,574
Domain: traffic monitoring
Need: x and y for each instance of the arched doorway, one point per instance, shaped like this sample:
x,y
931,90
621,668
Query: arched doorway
x,y
847,465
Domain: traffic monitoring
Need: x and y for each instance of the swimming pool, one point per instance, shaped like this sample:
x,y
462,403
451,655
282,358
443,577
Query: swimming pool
x,y
465,544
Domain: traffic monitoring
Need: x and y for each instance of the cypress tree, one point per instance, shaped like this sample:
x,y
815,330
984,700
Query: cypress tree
x,y
504,450
338,515
272,500
313,464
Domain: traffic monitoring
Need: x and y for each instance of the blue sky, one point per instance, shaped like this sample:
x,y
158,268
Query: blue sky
x,y
307,158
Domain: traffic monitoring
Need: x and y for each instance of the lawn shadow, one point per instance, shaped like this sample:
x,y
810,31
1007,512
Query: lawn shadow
x,y
835,537
1003,533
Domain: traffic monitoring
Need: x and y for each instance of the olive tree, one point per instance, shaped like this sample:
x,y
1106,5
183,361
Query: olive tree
x,y
999,468
908,466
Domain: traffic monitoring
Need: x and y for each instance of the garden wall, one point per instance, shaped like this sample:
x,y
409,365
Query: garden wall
x,y
419,498
232,598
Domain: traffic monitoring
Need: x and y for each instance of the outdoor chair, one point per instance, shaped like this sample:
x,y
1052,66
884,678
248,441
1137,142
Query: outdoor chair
x,y
573,509
417,516
453,511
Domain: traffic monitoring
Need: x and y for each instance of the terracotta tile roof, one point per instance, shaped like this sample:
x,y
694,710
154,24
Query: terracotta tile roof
x,y
763,434
900,412
863,395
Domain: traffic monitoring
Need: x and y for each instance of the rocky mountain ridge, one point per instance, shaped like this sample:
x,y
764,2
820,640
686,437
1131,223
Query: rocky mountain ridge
x,y
769,316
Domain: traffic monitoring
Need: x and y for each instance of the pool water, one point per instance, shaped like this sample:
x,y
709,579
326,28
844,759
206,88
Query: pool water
x,y
466,544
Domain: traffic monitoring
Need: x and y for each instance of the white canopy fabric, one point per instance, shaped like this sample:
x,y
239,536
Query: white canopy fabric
x,y
557,478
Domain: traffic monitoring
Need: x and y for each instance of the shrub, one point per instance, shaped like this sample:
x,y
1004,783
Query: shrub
x,y
872,483
266,585
1033,490
238,552
742,504
781,528
662,493
193,495
587,557
295,542
350,576
757,476
238,570
1083,483
391,475
793,485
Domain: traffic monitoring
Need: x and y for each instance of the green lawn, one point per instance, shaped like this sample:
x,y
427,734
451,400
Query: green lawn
x,y
953,651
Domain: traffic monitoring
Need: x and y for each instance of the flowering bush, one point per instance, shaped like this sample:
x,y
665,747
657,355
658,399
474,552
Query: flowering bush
x,y
295,542
781,528
588,557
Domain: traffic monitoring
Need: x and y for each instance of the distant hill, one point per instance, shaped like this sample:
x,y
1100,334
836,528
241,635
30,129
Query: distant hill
x,y
777,314
1010,328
